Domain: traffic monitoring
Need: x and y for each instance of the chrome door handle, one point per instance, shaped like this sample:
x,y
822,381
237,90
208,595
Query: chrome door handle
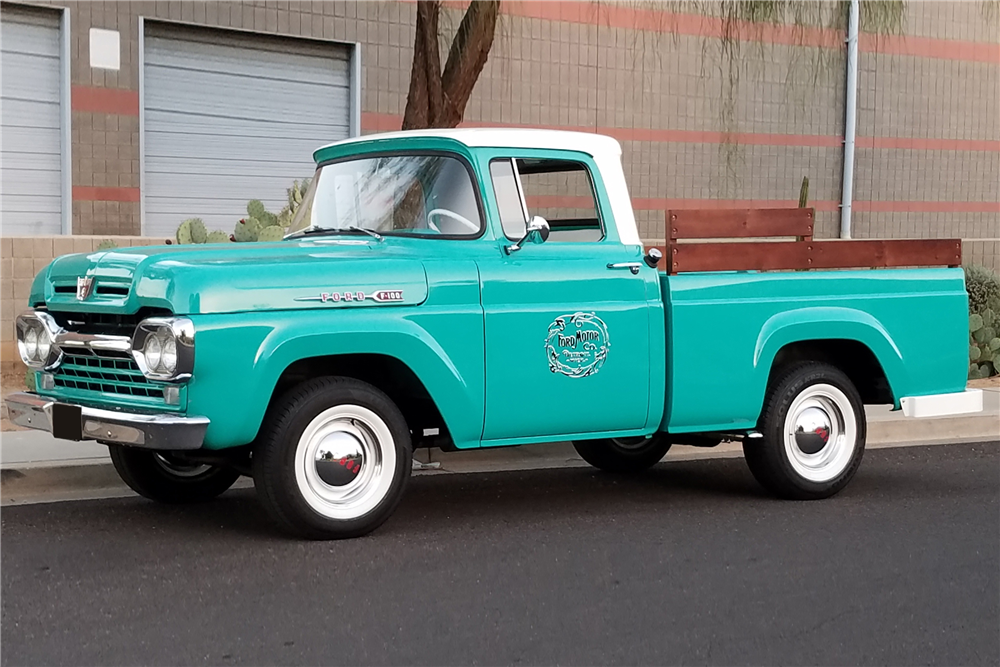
x,y
631,266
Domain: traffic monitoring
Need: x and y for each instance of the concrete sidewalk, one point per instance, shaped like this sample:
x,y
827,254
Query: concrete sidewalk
x,y
38,468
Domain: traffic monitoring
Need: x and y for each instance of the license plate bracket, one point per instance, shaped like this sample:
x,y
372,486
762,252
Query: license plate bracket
x,y
67,421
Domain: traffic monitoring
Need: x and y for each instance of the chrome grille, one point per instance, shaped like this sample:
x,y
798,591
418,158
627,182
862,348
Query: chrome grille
x,y
104,371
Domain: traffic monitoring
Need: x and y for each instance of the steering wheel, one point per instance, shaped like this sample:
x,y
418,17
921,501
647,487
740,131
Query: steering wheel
x,y
449,214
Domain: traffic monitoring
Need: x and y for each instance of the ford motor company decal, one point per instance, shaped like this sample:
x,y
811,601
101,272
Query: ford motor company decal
x,y
577,345
378,296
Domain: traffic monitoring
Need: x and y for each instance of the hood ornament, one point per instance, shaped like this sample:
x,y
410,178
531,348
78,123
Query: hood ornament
x,y
84,286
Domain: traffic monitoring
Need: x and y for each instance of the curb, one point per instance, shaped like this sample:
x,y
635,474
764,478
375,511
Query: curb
x,y
96,478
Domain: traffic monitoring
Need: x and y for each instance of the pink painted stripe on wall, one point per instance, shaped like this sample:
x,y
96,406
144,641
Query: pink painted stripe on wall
x,y
104,100
913,143
89,193
927,206
665,203
376,122
654,20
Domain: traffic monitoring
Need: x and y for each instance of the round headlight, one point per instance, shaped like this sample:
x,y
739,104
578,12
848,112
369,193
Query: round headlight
x,y
168,355
152,350
31,343
44,344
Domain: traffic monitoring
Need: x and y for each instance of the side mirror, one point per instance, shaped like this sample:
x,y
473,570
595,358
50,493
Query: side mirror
x,y
536,232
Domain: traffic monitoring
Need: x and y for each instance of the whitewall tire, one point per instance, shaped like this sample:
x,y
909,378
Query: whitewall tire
x,y
813,427
333,459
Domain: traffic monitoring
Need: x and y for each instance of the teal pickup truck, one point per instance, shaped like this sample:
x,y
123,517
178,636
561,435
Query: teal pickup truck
x,y
482,288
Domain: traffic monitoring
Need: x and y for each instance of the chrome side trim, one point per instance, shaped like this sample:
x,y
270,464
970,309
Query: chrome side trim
x,y
149,431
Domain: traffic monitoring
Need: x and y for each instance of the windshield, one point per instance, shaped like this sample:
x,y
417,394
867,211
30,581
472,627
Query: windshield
x,y
409,194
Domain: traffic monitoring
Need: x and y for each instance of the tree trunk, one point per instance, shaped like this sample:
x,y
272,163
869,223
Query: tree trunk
x,y
437,99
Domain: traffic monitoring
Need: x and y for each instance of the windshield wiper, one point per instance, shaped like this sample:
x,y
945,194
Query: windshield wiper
x,y
309,231
373,234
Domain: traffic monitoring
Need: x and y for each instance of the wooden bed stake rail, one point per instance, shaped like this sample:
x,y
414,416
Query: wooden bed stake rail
x,y
801,253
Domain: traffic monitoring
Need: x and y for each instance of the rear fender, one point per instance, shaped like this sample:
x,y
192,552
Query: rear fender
x,y
827,323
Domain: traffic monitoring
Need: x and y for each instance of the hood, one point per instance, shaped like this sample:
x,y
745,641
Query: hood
x,y
220,278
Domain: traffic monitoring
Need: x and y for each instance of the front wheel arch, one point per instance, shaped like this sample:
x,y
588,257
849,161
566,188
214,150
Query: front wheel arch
x,y
388,374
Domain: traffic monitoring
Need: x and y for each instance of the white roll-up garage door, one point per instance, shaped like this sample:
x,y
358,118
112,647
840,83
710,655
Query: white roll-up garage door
x,y
30,128
229,118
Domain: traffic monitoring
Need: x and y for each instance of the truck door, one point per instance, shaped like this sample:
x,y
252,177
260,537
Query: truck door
x,y
566,321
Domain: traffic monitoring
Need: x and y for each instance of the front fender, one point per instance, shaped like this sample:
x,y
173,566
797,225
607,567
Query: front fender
x,y
239,359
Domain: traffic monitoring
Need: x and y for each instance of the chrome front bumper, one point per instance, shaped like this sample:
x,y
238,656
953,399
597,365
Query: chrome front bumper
x,y
150,431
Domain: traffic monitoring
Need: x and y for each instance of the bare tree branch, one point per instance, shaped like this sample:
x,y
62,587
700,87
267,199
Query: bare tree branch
x,y
436,99
467,57
425,100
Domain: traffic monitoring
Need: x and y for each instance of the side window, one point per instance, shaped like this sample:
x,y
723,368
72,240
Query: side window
x,y
561,191
508,198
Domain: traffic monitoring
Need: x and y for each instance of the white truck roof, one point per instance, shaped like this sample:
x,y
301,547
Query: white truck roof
x,y
605,151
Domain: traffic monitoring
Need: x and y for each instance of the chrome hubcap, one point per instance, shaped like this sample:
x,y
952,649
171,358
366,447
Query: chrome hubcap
x,y
820,433
631,444
179,468
339,458
812,429
345,461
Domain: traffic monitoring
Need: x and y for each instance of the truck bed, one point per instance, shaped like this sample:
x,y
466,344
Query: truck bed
x,y
724,330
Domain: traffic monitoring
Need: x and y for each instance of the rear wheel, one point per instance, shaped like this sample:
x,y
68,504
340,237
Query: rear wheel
x,y
333,459
623,455
813,429
162,477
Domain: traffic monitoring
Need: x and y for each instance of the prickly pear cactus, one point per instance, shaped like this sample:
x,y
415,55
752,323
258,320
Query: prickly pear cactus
x,y
183,234
297,193
984,322
246,230
107,244
271,234
218,237
255,209
192,230
199,233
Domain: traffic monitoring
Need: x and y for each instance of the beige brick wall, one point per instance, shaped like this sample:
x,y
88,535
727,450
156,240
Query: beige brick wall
x,y
559,73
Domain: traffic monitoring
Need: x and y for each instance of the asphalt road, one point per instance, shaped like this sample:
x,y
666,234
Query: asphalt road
x,y
689,563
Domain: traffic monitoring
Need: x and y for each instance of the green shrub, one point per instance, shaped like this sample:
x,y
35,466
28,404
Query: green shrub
x,y
984,322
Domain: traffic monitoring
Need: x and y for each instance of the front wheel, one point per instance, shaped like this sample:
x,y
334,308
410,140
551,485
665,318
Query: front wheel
x,y
623,455
165,478
813,430
333,459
